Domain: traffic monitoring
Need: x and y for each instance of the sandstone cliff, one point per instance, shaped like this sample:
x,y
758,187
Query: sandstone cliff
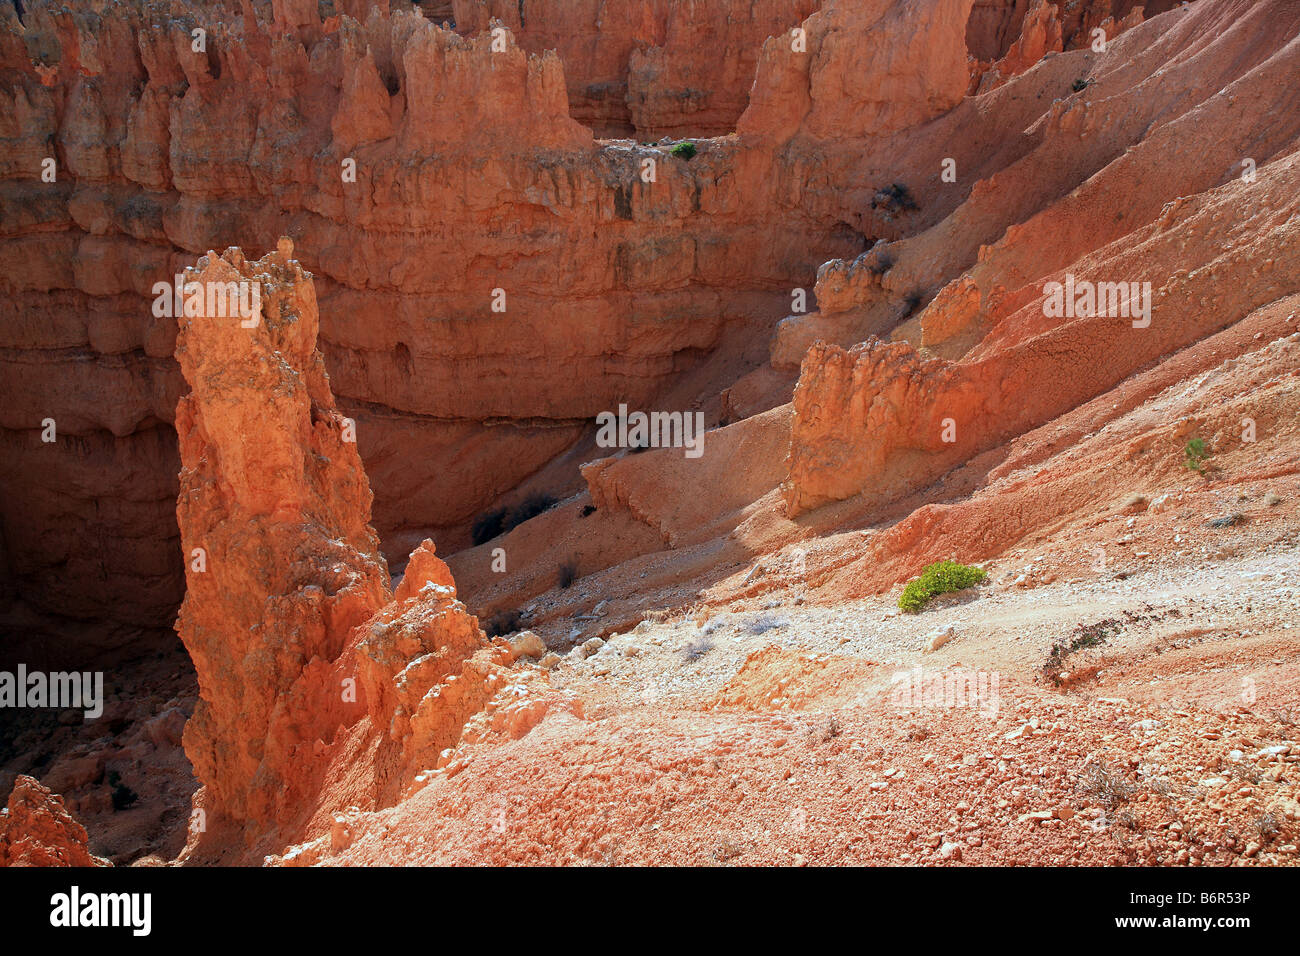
x,y
162,152
647,69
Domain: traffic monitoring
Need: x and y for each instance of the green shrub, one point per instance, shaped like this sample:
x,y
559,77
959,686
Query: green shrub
x,y
938,578
684,150
1080,85
1194,455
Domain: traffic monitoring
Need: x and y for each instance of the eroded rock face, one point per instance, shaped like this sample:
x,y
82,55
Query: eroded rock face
x,y
1007,37
36,830
1089,192
855,78
471,176
273,511
303,663
424,567
647,69
879,420
426,668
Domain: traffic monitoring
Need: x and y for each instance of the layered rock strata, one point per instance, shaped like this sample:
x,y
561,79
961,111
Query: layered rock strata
x,y
440,219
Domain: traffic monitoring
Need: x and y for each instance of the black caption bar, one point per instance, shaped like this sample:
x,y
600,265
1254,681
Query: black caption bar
x,y
146,906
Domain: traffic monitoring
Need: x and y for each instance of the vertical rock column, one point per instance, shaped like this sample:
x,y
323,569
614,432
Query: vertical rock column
x,y
274,509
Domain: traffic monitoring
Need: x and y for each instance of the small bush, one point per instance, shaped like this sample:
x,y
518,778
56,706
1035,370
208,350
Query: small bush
x,y
487,526
824,733
1080,85
1134,502
761,625
918,732
1104,785
894,198
1228,521
530,507
588,510
503,623
1264,828
698,648
491,524
567,574
123,796
727,849
1194,455
1084,635
685,150
938,578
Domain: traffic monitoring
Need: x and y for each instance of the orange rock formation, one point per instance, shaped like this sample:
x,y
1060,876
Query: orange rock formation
x,y
35,830
273,510
299,654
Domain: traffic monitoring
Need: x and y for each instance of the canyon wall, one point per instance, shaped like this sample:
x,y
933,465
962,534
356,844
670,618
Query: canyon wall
x,y
432,178
647,68
160,152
